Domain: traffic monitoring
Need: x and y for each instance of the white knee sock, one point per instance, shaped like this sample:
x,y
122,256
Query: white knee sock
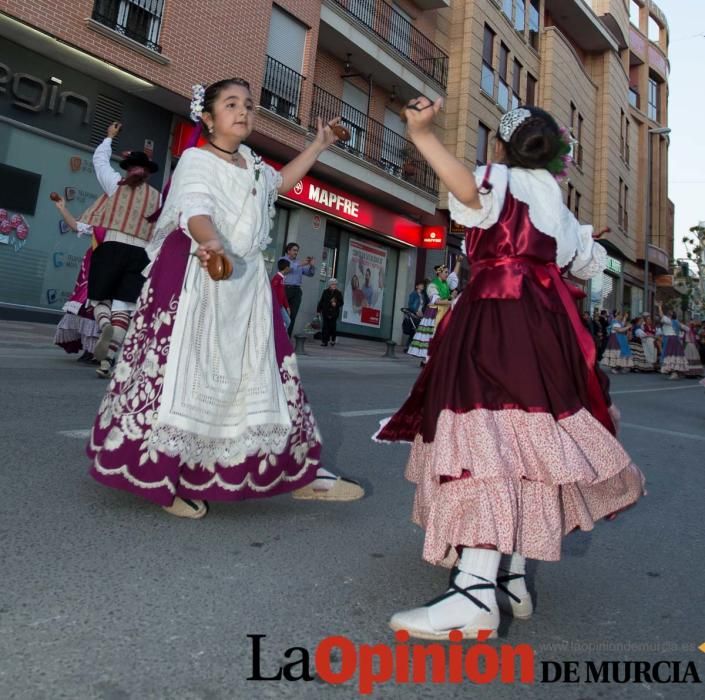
x,y
476,567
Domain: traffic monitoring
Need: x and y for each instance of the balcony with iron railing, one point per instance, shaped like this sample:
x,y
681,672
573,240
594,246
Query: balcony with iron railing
x,y
400,35
281,90
374,143
139,20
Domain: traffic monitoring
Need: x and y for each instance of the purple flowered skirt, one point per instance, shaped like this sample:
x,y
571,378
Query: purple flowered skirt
x,y
119,447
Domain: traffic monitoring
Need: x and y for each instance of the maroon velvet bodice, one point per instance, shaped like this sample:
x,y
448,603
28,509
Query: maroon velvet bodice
x,y
504,255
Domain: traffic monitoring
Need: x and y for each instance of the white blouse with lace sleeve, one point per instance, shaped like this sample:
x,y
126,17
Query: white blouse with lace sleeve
x,y
539,190
491,200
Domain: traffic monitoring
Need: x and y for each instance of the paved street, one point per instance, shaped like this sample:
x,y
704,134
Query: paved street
x,y
104,596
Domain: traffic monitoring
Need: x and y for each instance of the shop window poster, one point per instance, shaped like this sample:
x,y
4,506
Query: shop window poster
x,y
39,255
364,285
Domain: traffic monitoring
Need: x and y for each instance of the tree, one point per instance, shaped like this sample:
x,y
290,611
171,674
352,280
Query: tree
x,y
695,254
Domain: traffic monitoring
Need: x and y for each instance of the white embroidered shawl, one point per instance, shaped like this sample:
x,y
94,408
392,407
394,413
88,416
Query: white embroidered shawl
x,y
223,398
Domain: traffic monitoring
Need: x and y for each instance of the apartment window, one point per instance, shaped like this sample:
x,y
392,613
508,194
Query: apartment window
x,y
534,23
507,8
634,100
487,80
354,113
483,144
519,15
579,145
576,131
569,199
634,12
503,89
281,88
625,204
620,205
654,109
624,137
139,20
516,84
654,30
400,35
531,84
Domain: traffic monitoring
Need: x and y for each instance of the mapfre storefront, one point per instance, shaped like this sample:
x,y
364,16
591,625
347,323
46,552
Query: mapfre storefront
x,y
369,249
51,117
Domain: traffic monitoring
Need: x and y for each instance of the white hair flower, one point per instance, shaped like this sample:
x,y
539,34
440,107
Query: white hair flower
x,y
198,92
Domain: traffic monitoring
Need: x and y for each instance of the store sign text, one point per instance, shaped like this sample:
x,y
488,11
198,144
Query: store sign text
x,y
35,95
319,195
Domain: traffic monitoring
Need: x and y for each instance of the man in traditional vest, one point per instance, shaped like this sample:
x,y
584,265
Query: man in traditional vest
x,y
115,279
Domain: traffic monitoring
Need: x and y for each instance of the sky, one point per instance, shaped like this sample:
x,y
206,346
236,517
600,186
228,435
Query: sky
x,y
686,113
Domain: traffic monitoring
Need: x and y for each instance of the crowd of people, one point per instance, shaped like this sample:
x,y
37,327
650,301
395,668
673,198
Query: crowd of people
x,y
648,344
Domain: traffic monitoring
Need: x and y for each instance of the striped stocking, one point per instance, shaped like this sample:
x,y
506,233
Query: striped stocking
x,y
101,314
119,320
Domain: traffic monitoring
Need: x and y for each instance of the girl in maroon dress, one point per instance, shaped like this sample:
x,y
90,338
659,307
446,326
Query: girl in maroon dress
x,y
513,440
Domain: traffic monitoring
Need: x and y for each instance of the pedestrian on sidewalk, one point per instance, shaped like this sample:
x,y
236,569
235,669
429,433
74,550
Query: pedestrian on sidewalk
x,y
294,279
283,268
115,278
513,441
329,306
206,402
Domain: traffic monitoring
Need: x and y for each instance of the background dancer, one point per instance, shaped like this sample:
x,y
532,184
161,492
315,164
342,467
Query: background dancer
x,y
618,355
206,400
673,359
115,278
77,330
439,302
513,443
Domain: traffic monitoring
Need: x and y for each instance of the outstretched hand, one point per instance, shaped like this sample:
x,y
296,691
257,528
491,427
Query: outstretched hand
x,y
114,129
419,114
325,136
600,233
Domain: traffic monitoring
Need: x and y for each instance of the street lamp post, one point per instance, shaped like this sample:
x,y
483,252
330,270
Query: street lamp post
x,y
661,131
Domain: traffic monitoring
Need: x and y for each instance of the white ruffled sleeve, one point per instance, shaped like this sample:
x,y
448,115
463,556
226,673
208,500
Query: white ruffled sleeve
x,y
590,258
491,201
83,229
433,295
453,281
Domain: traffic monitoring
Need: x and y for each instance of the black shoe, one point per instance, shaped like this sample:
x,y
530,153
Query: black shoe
x,y
324,345
87,357
332,342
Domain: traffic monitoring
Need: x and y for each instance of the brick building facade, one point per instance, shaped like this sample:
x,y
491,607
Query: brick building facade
x,y
601,68
136,60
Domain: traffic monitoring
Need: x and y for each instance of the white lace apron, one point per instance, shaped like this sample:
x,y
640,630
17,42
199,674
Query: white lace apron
x,y
223,398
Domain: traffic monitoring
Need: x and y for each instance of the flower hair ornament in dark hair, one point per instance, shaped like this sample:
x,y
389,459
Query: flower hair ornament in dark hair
x,y
531,138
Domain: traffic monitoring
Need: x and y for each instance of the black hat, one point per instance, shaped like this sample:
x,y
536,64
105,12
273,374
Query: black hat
x,y
139,159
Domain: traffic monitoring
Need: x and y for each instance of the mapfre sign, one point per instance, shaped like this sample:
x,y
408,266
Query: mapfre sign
x,y
315,194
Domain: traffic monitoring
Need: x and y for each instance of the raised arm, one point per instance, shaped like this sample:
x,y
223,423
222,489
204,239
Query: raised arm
x,y
294,170
107,176
420,114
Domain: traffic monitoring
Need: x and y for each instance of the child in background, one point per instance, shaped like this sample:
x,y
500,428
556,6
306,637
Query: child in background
x,y
278,291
